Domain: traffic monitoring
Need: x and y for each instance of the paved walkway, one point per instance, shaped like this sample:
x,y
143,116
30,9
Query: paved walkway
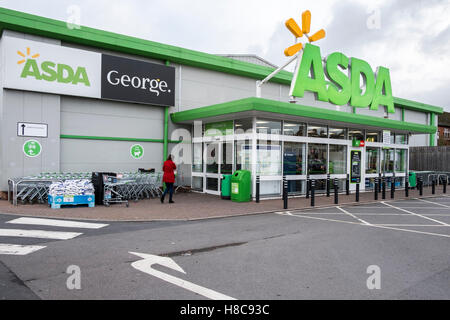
x,y
192,206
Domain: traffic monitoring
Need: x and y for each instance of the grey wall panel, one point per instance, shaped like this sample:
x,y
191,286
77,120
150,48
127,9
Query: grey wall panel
x,y
419,140
416,117
93,117
21,106
95,155
20,35
205,87
374,113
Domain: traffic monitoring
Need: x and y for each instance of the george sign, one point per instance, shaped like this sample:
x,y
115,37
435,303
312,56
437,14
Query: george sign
x,y
344,80
355,172
42,67
36,66
27,129
32,148
137,81
137,151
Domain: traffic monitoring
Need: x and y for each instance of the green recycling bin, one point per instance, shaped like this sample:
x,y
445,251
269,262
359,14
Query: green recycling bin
x,y
226,186
241,186
412,179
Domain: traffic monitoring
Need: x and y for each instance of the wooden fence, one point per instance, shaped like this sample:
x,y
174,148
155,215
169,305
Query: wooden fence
x,y
429,158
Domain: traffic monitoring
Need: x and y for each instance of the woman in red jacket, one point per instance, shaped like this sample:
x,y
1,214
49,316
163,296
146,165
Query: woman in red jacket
x,y
168,177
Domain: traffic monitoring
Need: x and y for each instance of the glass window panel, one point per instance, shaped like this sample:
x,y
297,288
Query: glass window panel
x,y
355,134
269,158
373,136
372,158
400,138
400,160
317,158
243,154
293,158
338,133
296,186
197,161
212,157
317,131
212,184
338,159
243,126
387,163
268,126
226,165
294,129
197,183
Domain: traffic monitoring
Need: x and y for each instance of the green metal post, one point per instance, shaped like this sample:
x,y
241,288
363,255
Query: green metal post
x,y
432,123
166,127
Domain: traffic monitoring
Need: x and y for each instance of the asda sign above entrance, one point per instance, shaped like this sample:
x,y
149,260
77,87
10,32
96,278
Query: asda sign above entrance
x,y
36,66
344,85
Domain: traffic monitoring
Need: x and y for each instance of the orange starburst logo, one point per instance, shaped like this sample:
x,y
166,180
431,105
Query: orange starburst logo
x,y
298,32
27,55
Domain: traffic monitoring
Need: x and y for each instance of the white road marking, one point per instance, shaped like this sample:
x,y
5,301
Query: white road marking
x,y
408,225
15,249
351,215
38,234
413,213
439,204
149,260
376,226
57,223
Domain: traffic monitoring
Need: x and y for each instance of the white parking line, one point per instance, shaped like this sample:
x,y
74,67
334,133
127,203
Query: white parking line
x,y
15,249
439,204
38,234
413,213
375,226
351,215
57,223
408,225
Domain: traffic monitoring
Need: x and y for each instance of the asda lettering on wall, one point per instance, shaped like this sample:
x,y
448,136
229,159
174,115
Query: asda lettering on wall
x,y
36,66
344,85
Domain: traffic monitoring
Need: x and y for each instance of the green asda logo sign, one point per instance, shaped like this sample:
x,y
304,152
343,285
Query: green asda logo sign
x,y
342,88
51,71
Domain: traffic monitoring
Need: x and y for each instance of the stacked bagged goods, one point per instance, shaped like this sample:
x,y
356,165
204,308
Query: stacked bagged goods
x,y
71,188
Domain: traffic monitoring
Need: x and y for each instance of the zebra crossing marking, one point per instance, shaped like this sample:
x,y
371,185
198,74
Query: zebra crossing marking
x,y
19,250
58,223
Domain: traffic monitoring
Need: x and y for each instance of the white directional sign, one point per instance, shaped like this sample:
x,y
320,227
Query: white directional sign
x,y
27,129
149,260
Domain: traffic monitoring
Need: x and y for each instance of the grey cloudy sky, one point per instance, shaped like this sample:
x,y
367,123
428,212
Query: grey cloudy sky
x,y
410,37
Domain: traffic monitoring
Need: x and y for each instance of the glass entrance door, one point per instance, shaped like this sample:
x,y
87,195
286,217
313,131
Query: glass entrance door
x,y
211,167
218,160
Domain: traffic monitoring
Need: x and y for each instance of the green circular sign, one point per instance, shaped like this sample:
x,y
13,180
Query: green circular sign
x,y
32,148
137,151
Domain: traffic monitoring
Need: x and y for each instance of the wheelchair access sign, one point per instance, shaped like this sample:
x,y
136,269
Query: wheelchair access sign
x,y
32,148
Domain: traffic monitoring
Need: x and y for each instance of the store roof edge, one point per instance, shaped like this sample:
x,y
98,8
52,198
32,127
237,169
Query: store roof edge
x,y
273,106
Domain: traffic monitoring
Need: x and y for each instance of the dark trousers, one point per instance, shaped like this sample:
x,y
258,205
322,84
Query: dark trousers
x,y
169,188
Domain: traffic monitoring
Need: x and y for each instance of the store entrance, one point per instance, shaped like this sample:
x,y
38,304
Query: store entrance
x,y
218,160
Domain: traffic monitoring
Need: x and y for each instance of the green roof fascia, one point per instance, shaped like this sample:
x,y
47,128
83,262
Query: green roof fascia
x,y
417,106
32,24
36,25
264,105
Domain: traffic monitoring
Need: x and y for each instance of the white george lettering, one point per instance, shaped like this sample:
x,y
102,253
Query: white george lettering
x,y
154,85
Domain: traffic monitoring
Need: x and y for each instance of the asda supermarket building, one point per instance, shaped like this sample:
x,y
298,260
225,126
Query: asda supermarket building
x,y
84,100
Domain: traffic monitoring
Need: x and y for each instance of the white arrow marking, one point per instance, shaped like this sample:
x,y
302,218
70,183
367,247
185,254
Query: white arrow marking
x,y
149,260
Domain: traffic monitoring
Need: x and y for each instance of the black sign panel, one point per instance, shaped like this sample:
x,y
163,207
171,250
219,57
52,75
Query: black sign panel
x,y
137,81
355,173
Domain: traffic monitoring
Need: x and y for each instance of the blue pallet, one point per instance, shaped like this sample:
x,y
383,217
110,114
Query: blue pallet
x,y
58,201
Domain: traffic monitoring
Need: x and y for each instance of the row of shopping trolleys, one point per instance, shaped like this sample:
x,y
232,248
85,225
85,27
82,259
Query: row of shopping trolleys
x,y
129,186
